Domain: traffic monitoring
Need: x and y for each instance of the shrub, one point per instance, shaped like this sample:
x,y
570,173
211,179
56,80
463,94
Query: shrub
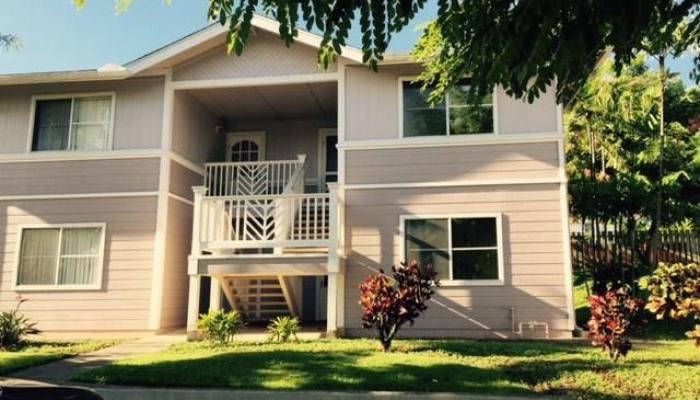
x,y
14,326
219,326
674,292
387,304
281,329
612,314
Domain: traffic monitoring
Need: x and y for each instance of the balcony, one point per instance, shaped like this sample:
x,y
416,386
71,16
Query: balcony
x,y
254,218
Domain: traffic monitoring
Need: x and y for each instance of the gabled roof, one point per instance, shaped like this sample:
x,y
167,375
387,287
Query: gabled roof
x,y
206,38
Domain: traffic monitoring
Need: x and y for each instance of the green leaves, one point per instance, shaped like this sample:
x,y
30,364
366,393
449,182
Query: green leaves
x,y
674,292
219,326
10,42
120,6
282,329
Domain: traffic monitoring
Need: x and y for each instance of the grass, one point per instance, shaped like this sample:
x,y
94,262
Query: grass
x,y
662,370
37,353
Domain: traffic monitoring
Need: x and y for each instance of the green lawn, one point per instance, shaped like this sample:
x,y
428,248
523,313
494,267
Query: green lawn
x,y
662,370
36,353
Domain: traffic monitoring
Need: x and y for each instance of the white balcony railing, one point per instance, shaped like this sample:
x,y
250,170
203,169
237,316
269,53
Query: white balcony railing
x,y
275,214
250,178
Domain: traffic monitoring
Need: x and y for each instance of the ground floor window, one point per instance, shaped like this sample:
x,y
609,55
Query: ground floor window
x,y
60,256
463,249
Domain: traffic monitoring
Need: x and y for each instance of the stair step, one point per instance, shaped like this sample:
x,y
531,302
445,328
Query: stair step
x,y
278,294
256,286
262,302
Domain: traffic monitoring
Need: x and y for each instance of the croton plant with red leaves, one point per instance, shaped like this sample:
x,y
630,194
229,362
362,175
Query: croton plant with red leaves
x,y
387,304
612,314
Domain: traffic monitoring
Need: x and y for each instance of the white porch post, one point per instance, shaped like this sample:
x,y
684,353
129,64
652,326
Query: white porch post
x,y
336,281
193,306
332,304
215,294
195,252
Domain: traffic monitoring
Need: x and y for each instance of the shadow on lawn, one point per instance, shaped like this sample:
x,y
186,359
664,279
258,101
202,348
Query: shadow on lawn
x,y
541,374
487,348
293,370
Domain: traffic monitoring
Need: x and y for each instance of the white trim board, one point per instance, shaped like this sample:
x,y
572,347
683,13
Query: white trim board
x,y
76,196
255,81
499,245
450,141
56,287
49,156
177,158
44,156
474,182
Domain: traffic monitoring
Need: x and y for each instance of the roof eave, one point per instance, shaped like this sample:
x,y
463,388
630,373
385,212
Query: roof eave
x,y
62,76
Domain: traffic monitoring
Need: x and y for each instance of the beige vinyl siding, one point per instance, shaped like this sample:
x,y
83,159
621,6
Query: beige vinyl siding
x,y
532,246
372,106
177,248
138,116
75,177
265,55
123,301
193,128
456,163
182,179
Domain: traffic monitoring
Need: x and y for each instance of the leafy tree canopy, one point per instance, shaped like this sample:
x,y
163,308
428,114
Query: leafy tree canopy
x,y
613,148
522,45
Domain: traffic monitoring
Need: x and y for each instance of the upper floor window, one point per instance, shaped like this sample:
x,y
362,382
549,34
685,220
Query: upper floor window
x,y
463,250
68,256
455,115
81,122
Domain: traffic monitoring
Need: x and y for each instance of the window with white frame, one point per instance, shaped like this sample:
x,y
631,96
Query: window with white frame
x,y
459,248
456,115
73,123
60,256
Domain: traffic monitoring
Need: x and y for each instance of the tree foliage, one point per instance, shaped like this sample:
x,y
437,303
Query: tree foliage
x,y
674,292
388,304
10,41
613,148
523,46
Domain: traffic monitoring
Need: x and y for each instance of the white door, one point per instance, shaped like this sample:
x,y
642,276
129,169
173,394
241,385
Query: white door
x,y
327,158
245,146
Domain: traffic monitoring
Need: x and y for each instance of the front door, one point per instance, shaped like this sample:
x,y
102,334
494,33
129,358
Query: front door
x,y
245,146
328,158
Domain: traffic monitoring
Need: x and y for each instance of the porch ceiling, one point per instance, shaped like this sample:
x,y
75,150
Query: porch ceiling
x,y
311,100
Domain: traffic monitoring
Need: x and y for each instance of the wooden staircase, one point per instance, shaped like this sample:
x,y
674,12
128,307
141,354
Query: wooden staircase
x,y
260,298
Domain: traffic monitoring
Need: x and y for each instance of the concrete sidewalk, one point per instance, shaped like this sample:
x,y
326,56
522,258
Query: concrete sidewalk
x,y
63,370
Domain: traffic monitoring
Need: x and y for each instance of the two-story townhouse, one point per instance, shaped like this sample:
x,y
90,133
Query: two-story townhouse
x,y
136,197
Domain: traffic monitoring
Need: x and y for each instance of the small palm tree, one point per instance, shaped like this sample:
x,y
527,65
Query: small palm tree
x,y
281,329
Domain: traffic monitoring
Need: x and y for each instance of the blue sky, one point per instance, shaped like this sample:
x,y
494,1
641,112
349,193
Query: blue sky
x,y
57,37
